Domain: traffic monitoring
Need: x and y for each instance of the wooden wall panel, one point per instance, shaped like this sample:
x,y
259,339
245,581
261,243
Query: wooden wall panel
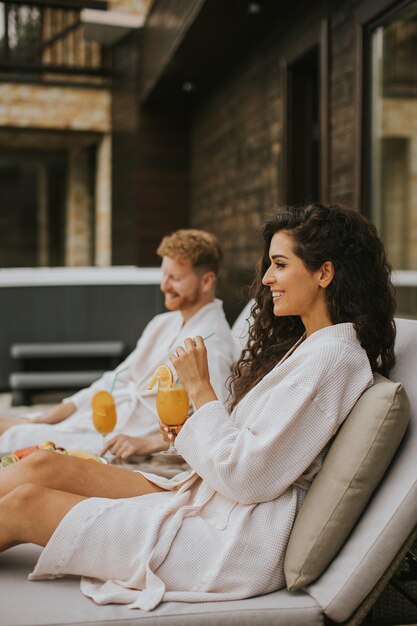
x,y
150,166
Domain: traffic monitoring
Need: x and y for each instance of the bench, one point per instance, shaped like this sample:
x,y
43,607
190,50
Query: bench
x,y
64,365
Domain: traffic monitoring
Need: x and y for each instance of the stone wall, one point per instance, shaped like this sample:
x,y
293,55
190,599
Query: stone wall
x,y
58,108
79,204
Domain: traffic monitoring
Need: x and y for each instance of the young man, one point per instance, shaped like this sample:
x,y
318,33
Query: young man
x,y
190,264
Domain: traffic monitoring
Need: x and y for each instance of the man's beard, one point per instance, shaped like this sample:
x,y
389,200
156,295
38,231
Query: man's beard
x,y
181,303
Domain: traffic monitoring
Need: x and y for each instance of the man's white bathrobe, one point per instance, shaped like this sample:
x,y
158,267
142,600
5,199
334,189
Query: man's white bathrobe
x,y
220,531
136,406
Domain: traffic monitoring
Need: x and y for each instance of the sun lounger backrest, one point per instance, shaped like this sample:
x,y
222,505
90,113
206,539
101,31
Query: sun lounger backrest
x,y
240,328
391,515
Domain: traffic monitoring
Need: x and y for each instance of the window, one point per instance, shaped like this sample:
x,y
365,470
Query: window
x,y
305,88
303,129
393,143
20,32
32,218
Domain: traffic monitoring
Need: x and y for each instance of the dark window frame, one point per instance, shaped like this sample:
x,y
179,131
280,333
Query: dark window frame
x,y
318,36
368,16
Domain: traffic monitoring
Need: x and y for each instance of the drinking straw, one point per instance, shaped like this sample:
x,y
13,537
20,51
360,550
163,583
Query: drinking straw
x,y
115,378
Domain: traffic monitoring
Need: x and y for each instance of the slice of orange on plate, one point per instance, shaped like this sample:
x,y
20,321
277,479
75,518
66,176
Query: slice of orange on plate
x,y
162,373
81,454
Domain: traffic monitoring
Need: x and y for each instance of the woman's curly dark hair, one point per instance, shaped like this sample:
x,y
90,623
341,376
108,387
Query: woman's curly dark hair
x,y
361,291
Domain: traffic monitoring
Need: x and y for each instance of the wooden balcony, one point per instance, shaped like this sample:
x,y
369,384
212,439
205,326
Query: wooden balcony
x,y
44,40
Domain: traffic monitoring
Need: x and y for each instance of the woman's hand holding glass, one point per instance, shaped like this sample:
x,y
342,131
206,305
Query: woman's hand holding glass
x,y
191,365
172,398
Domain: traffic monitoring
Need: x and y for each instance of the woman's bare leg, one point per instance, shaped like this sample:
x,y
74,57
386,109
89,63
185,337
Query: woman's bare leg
x,y
45,508
73,475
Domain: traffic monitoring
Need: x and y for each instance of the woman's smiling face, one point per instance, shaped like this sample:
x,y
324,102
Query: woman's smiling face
x,y
295,289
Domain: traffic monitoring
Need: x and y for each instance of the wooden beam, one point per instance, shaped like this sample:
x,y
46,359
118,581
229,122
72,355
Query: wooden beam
x,y
100,5
53,69
62,33
166,26
324,112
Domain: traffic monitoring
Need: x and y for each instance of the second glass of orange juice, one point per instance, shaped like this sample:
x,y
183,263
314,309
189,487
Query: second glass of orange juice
x,y
104,413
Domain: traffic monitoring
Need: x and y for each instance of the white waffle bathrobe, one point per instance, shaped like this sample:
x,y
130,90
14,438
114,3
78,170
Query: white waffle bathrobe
x,y
220,531
136,406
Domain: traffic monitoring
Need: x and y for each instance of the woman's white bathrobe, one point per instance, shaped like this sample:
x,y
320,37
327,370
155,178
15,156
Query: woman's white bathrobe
x,y
136,406
220,531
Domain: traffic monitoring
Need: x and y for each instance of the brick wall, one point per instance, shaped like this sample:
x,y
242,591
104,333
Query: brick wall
x,y
235,169
237,143
342,104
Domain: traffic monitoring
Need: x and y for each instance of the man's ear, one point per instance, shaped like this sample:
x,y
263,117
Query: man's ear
x,y
326,274
208,281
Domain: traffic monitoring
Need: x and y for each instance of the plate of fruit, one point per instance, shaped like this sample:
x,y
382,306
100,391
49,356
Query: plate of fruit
x,y
21,453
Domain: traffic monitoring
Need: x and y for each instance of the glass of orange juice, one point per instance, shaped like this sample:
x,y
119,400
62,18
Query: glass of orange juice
x,y
172,404
104,413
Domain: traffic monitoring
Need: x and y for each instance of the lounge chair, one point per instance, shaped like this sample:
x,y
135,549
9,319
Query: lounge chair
x,y
342,594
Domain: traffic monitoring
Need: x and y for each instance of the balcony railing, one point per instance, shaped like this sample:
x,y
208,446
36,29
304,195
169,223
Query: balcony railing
x,y
45,38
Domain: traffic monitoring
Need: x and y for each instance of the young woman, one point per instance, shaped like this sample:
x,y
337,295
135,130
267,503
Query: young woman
x,y
323,321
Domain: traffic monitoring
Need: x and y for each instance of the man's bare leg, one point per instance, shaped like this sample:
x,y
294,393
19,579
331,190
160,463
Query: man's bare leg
x,y
8,422
73,475
45,508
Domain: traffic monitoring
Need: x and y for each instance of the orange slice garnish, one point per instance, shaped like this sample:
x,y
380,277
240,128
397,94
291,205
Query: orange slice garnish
x,y
163,374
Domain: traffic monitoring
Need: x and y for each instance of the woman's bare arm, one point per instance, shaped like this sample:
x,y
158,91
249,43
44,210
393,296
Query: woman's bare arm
x,y
57,414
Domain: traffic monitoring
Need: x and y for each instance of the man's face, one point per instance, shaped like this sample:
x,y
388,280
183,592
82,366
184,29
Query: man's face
x,y
181,285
